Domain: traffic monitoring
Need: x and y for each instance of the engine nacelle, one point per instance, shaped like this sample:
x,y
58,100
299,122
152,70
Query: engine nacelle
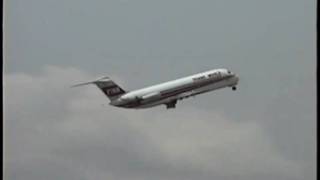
x,y
151,96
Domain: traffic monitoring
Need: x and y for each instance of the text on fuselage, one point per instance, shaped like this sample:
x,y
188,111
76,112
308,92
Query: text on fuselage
x,y
212,76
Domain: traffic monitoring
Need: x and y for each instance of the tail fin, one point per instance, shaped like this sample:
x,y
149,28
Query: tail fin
x,y
107,86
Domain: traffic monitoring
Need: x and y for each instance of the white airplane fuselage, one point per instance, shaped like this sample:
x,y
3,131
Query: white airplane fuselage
x,y
169,93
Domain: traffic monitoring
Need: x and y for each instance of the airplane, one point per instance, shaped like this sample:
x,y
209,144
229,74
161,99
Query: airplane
x,y
167,93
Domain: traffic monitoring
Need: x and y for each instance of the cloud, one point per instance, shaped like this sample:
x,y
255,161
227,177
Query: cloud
x,y
55,132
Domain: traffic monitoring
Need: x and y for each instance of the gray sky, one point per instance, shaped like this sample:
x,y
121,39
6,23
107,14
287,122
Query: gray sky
x,y
265,130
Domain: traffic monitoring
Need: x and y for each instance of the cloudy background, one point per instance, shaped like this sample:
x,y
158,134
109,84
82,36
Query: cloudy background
x,y
265,130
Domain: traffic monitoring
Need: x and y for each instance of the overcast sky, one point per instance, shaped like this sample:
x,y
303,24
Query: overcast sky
x,y
265,130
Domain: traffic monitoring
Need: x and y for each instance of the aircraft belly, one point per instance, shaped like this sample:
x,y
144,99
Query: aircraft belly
x,y
149,105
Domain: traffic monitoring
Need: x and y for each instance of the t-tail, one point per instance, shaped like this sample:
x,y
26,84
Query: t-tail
x,y
107,86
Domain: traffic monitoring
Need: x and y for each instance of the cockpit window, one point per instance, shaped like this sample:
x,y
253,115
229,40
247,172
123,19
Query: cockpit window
x,y
229,72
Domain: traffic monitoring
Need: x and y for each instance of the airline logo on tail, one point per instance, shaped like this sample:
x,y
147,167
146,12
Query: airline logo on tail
x,y
109,88
114,91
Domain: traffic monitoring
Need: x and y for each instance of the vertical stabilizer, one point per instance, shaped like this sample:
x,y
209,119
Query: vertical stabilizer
x,y
107,86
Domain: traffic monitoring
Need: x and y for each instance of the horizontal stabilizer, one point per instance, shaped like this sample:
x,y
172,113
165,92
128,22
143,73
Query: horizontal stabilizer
x,y
82,84
90,82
